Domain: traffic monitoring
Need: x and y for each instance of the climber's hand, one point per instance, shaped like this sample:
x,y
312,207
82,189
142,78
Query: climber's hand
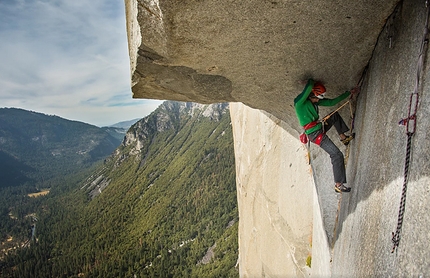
x,y
355,91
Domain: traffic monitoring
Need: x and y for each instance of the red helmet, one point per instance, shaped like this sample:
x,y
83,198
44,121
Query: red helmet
x,y
318,90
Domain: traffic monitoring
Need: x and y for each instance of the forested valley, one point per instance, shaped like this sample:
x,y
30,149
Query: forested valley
x,y
163,204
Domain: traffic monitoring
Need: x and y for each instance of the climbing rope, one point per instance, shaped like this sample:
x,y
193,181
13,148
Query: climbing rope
x,y
410,122
334,111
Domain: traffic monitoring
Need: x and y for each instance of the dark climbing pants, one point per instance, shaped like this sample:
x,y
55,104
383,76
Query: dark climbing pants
x,y
336,156
338,123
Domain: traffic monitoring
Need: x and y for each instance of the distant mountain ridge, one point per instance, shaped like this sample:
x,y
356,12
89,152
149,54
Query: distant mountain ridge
x,y
125,124
119,130
42,146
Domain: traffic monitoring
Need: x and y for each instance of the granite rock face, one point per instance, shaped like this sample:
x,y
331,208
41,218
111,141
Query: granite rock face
x,y
369,216
275,205
252,54
253,51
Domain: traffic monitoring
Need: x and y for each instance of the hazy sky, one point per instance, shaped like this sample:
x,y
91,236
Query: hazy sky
x,y
68,58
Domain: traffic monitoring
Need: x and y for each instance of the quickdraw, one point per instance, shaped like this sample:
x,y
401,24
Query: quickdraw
x,y
411,121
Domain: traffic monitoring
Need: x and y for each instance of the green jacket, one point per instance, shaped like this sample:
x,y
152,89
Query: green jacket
x,y
307,111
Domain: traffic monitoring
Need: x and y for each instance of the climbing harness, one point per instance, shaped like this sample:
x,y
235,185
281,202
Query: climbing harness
x,y
410,122
304,138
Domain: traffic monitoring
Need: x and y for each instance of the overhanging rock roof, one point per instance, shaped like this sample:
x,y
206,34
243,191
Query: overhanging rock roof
x,y
252,51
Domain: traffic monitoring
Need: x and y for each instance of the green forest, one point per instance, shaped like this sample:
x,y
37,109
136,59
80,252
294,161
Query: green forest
x,y
162,205
36,148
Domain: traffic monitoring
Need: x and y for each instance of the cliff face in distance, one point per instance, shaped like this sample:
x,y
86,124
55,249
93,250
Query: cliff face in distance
x,y
263,49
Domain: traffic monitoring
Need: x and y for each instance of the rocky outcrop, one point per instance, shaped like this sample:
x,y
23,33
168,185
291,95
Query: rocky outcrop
x,y
252,51
288,209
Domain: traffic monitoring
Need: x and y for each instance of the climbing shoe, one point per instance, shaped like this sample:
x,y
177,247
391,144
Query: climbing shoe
x,y
348,139
342,188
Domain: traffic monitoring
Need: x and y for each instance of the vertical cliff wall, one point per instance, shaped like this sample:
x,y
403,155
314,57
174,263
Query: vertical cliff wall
x,y
377,163
274,192
356,240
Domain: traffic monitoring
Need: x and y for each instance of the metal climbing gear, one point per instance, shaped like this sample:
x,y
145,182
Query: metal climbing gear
x,y
410,122
304,138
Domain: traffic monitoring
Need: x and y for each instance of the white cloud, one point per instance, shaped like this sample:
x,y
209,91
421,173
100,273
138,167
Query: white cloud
x,y
68,58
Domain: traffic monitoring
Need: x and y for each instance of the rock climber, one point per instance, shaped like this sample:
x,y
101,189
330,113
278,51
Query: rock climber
x,y
306,106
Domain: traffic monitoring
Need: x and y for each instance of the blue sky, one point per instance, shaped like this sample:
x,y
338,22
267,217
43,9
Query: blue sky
x,y
68,58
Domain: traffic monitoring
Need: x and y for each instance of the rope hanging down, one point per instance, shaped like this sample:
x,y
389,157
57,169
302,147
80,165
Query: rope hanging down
x,y
410,122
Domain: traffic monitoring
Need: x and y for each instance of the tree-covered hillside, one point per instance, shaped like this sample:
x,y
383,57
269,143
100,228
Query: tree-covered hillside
x,y
35,147
163,205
